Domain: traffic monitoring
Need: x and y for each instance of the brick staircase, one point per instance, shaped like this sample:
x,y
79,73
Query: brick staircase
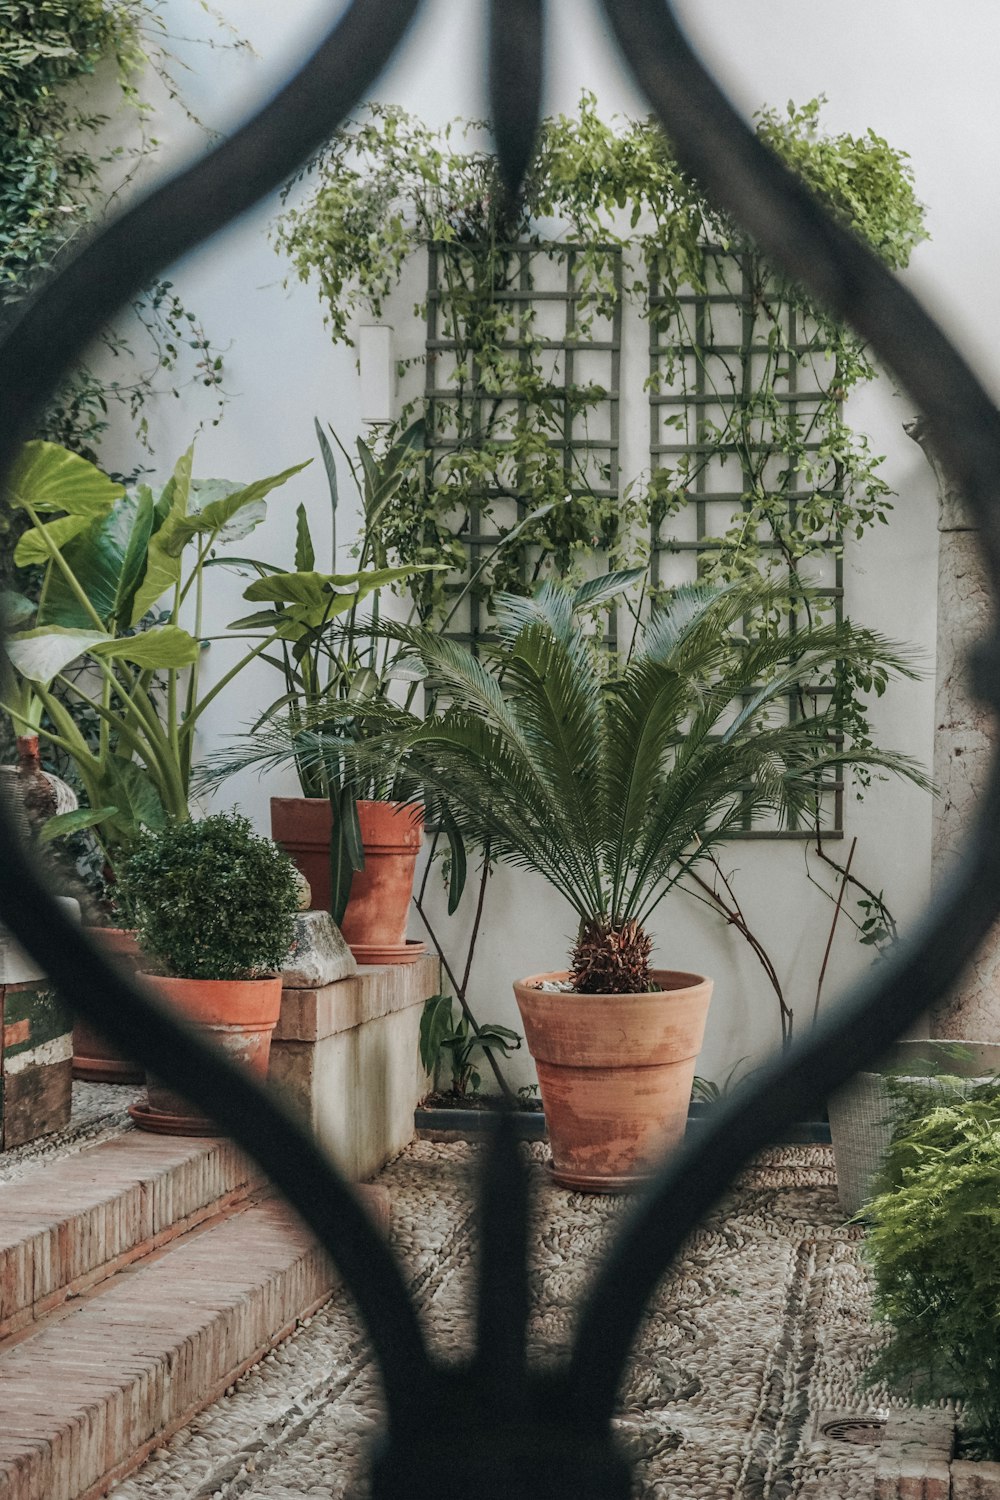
x,y
138,1278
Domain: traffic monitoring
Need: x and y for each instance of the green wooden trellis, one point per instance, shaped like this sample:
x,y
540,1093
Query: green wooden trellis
x,y
703,345
544,322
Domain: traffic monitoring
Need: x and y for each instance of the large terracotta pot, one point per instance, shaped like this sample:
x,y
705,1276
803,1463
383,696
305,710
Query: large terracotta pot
x,y
615,1073
392,833
95,1059
239,1015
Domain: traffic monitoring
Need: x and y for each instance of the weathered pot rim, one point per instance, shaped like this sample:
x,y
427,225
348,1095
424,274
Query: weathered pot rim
x,y
690,981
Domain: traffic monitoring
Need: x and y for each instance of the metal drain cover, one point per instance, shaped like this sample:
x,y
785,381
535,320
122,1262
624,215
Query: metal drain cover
x,y
864,1432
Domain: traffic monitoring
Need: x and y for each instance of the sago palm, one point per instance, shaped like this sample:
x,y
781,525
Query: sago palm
x,y
613,779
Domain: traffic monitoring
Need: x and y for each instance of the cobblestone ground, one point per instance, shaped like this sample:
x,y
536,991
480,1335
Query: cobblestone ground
x,y
763,1324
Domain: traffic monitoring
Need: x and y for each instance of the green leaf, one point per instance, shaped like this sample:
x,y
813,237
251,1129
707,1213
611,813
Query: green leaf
x,y
107,561
346,852
458,873
305,552
263,619
608,586
435,1025
50,478
41,654
216,514
162,647
329,464
163,566
74,822
35,547
137,802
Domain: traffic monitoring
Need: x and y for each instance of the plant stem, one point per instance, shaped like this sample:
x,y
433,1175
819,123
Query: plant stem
x,y
833,928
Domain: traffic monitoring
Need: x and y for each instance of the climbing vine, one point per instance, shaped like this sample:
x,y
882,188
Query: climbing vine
x,y
611,196
61,164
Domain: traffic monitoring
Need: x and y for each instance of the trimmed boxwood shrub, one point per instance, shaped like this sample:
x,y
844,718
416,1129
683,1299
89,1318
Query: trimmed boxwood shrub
x,y
212,899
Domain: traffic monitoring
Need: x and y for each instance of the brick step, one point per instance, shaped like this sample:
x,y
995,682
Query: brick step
x,y
91,1388
73,1222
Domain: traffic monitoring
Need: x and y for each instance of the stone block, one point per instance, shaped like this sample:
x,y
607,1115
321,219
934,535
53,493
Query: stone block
x,y
911,1477
318,955
974,1481
345,1057
927,1429
36,1063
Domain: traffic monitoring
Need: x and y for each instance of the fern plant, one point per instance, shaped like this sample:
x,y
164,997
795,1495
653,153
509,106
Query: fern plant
x,y
611,779
932,1247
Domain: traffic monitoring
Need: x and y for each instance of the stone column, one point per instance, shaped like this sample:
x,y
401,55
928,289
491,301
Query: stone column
x,y
964,740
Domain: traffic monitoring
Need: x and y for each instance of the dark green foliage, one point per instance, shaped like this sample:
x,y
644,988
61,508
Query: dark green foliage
x,y
213,899
934,1249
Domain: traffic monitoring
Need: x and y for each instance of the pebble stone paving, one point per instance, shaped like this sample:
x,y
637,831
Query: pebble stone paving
x,y
764,1323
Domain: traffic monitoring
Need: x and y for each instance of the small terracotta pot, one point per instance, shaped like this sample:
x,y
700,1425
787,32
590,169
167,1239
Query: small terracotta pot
x,y
615,1074
374,924
239,1015
95,1059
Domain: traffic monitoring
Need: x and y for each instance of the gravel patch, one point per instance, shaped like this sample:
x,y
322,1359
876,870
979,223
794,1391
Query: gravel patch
x,y
763,1323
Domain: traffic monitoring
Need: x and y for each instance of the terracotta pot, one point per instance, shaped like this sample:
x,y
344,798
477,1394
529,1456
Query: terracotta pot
x,y
615,1074
374,924
239,1015
95,1059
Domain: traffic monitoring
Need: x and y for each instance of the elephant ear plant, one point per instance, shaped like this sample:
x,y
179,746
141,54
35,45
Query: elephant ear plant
x,y
116,633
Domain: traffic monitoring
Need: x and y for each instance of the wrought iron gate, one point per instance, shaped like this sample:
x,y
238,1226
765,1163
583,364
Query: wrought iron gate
x,y
502,1423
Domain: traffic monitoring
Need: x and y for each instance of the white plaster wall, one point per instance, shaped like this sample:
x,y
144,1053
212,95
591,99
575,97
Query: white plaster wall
x,y
929,89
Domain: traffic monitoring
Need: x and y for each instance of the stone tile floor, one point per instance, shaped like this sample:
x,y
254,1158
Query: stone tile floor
x,y
764,1324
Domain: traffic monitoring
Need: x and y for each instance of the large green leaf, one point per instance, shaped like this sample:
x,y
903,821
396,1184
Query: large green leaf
x,y
163,566
107,561
162,647
319,588
41,654
50,478
216,512
606,586
36,546
132,790
76,821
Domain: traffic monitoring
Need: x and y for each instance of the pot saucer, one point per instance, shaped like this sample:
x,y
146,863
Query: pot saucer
x,y
106,1070
389,953
160,1123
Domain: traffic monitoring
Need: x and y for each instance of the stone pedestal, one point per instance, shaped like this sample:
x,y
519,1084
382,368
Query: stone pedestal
x,y
964,740
345,1051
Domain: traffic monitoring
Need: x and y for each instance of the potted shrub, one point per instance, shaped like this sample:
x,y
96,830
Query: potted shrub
x,y
613,779
215,907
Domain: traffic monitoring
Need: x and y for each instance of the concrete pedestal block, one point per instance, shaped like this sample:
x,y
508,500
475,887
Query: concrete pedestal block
x,y
345,1056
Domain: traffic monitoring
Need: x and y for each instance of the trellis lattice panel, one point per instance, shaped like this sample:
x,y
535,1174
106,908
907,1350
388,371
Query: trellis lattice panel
x,y
535,401
739,377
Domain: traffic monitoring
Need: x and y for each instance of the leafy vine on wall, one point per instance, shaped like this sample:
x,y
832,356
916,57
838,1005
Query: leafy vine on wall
x,y
62,163
610,194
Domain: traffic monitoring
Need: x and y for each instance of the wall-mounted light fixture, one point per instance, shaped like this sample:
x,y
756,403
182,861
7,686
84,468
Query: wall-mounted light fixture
x,y
378,384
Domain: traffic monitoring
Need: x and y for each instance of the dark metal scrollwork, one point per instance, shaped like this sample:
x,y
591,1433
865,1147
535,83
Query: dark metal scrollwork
x,y
501,1423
